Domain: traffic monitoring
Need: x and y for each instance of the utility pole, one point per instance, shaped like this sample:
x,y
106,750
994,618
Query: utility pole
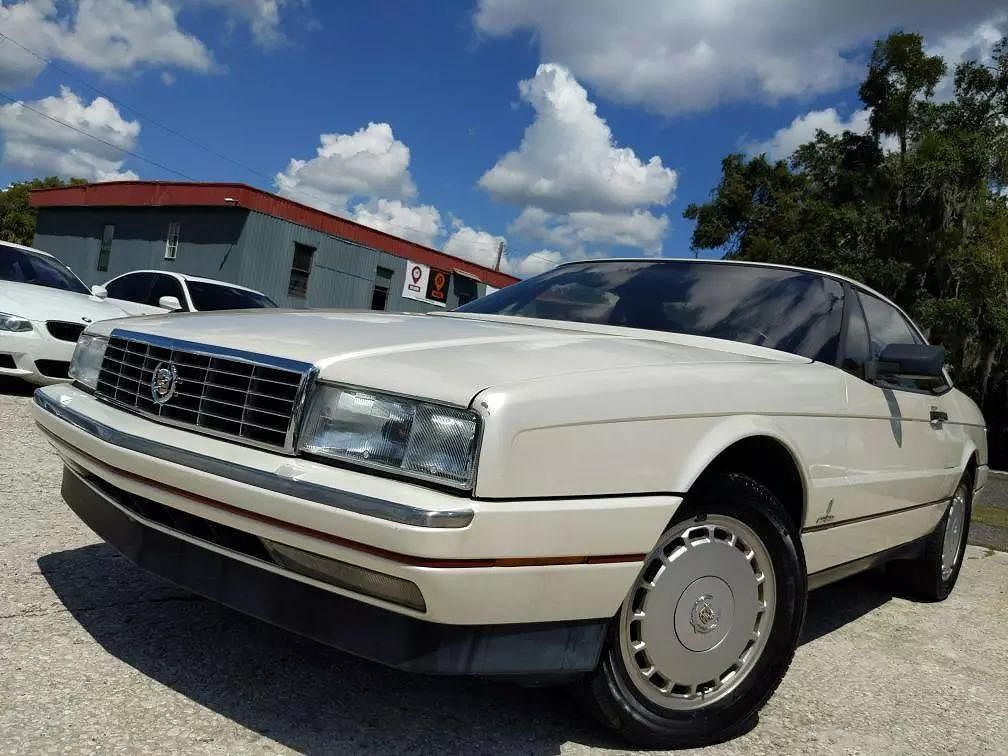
x,y
500,254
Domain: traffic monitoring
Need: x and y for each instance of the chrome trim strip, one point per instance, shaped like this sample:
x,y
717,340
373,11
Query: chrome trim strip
x,y
338,499
210,350
308,383
875,516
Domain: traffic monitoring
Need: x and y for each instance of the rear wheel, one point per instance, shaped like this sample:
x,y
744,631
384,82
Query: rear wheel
x,y
710,626
933,576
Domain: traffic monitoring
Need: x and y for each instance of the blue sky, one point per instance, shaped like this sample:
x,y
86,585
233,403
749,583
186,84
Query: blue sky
x,y
629,107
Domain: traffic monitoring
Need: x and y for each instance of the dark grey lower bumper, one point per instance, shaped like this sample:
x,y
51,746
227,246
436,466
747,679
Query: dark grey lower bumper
x,y
529,650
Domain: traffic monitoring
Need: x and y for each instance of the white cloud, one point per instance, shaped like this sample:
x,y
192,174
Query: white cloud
x,y
533,263
42,146
369,163
579,230
473,244
109,36
261,16
678,56
419,223
576,187
972,43
481,247
803,129
568,160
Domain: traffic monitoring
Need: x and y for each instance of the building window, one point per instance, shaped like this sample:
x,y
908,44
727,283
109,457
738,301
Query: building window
x,y
300,270
105,251
382,283
171,244
465,288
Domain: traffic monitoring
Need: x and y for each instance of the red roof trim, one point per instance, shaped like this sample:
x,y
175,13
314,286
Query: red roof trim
x,y
179,194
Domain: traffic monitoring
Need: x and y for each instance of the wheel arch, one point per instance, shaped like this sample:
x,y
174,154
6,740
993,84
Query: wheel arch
x,y
971,465
767,457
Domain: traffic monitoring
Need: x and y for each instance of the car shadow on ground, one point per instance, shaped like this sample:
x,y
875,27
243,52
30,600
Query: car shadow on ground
x,y
306,696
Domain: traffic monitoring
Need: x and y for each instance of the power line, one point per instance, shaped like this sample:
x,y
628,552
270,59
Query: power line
x,y
173,131
88,134
132,108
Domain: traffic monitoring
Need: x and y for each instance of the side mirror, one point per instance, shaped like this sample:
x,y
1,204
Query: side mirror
x,y
170,303
99,291
911,361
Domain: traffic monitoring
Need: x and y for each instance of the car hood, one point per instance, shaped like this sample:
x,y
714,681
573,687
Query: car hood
x,y
444,357
37,303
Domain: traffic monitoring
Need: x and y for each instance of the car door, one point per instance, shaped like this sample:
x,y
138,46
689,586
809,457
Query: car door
x,y
901,455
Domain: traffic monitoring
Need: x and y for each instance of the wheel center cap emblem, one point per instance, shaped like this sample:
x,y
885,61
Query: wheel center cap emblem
x,y
163,382
704,616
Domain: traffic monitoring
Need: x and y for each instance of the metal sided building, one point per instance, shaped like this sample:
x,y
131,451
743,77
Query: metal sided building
x,y
295,254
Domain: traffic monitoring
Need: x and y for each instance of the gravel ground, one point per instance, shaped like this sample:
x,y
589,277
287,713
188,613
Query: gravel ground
x,y
98,655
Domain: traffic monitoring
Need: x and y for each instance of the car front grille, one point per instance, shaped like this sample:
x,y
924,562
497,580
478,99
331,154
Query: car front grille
x,y
60,329
254,399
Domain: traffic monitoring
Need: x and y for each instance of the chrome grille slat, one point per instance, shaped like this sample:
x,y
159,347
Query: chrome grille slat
x,y
239,375
216,392
240,406
225,418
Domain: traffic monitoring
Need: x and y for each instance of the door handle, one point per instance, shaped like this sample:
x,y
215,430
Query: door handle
x,y
938,417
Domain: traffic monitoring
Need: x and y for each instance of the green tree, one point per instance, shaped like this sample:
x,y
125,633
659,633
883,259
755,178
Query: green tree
x,y
926,225
899,76
17,217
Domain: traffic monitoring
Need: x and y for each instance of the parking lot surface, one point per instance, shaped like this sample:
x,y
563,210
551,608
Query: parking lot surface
x,y
96,654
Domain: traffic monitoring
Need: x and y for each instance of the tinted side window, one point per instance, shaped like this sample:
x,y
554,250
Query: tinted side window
x,y
885,325
133,287
857,351
213,296
166,286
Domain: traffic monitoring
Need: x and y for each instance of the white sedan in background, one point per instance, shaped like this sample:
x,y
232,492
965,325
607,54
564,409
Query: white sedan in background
x,y
179,292
43,309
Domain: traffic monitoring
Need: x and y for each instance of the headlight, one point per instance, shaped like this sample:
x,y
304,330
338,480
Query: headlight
x,y
421,439
87,360
13,323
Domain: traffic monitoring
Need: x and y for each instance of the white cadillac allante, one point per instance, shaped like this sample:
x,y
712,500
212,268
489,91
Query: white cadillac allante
x,y
625,475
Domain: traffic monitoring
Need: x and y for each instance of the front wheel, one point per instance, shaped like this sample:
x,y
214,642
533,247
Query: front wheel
x,y
709,628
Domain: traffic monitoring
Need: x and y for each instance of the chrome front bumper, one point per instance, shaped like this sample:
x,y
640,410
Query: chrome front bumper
x,y
476,562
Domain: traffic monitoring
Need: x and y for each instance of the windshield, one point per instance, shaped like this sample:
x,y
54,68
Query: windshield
x,y
782,309
22,266
211,296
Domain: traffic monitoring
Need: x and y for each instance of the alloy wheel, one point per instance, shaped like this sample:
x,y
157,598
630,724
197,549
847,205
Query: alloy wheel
x,y
955,523
700,614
